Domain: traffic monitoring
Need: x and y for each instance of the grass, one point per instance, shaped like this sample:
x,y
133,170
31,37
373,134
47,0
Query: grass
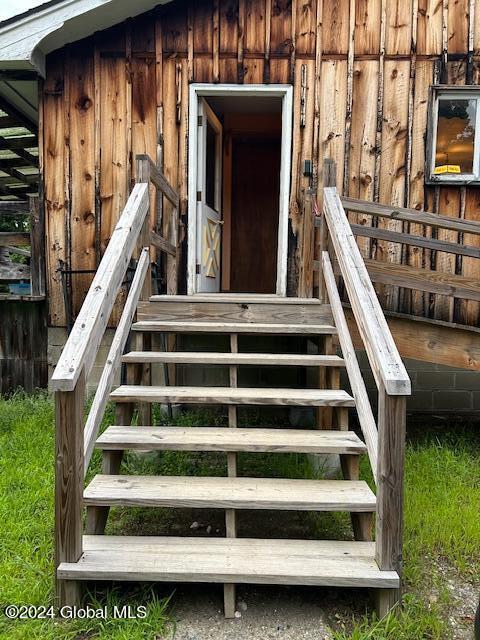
x,y
441,527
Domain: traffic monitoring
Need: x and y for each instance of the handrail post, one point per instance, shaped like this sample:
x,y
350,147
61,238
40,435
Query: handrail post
x,y
143,341
329,180
390,472
69,461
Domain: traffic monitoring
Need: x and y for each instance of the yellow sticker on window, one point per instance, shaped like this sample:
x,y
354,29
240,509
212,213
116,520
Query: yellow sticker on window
x,y
447,168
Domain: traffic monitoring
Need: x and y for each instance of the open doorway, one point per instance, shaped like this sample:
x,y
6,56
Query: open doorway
x,y
239,168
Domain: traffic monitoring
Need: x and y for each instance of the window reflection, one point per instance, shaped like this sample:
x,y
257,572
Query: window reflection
x,y
455,136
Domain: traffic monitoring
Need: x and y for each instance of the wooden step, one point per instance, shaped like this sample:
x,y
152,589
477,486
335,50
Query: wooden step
x,y
235,309
241,560
235,298
262,328
227,439
230,493
228,395
258,359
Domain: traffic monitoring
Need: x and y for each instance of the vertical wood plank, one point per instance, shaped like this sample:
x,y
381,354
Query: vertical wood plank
x,y
469,311
398,33
367,26
69,408
335,26
333,110
229,40
230,514
113,137
82,168
305,26
458,19
429,27
417,257
362,140
54,183
392,171
391,453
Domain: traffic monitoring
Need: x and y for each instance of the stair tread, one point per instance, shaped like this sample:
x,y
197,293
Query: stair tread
x,y
178,326
229,395
228,439
259,359
230,493
224,560
234,298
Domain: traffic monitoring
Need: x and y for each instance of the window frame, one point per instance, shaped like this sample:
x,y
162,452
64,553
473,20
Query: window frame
x,y
466,92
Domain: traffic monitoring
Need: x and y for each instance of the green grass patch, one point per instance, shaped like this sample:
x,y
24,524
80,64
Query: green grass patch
x,y
442,502
26,536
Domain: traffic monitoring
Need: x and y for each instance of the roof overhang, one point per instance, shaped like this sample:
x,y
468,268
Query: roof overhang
x,y
25,40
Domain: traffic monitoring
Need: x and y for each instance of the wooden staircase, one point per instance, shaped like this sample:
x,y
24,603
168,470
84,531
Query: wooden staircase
x,y
356,563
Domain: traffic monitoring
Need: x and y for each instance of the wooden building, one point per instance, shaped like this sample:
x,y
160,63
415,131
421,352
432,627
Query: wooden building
x,y
219,145
354,79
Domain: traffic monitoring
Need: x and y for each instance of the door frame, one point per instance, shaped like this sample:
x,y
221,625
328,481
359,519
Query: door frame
x,y
285,92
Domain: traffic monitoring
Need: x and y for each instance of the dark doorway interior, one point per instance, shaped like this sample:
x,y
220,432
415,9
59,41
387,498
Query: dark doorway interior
x,y
252,132
254,213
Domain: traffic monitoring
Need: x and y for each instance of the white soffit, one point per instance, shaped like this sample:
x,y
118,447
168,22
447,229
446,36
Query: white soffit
x,y
26,39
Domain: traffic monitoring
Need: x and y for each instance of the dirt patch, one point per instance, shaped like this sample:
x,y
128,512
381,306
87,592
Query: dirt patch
x,y
265,613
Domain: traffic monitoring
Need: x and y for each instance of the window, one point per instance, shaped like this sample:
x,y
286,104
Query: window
x,y
453,148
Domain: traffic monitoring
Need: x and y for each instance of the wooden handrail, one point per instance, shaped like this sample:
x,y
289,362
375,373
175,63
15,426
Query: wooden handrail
x,y
456,248
411,215
115,353
364,410
159,180
82,345
385,361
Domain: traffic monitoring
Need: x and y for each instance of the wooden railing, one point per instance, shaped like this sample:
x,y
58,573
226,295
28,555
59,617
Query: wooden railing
x,y
25,243
390,273
75,439
386,444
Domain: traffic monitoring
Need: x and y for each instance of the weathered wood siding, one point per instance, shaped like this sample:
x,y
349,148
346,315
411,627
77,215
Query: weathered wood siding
x,y
366,64
23,346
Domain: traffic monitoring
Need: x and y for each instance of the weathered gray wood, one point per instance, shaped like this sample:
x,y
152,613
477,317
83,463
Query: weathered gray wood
x,y
362,523
14,207
235,298
241,560
229,493
104,387
82,345
258,359
225,311
37,258
387,366
225,439
416,241
229,590
232,327
162,244
391,453
10,271
424,279
69,407
225,395
15,238
160,182
364,410
411,215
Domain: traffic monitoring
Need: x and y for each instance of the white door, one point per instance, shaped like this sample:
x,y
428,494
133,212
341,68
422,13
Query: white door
x,y
209,192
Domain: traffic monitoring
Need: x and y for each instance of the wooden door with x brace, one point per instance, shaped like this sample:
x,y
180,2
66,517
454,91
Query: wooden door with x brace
x,y
209,192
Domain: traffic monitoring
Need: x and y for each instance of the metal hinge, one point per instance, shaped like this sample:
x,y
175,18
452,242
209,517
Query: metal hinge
x,y
200,121
197,269
199,196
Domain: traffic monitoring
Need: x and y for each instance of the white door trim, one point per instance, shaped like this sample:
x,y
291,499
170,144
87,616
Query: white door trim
x,y
273,90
